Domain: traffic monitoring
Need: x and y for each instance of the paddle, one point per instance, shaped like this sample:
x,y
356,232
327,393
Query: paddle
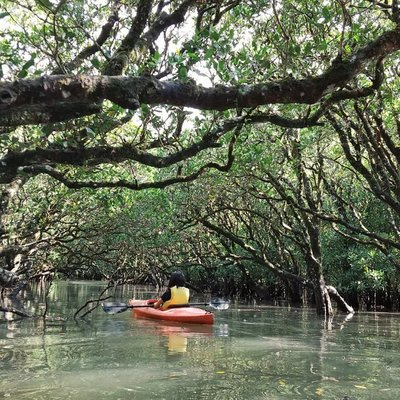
x,y
115,308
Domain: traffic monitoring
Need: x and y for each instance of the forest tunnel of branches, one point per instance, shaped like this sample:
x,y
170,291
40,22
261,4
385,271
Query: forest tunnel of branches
x,y
255,145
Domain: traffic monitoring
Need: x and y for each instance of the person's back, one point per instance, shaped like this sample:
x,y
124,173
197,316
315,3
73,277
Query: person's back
x,y
179,296
176,294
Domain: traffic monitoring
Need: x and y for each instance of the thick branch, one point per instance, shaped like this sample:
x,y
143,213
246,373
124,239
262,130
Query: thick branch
x,y
105,154
14,311
73,184
19,97
120,59
138,43
166,20
94,48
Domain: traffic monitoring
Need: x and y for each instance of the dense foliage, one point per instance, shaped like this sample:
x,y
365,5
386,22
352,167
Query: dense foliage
x,y
253,144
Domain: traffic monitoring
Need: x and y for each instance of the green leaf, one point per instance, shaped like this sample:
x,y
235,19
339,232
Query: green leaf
x,y
45,3
215,35
22,74
182,73
209,53
29,63
326,13
193,56
307,48
4,14
47,129
95,62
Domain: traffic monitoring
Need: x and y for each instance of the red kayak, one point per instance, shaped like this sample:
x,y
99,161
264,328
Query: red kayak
x,y
190,315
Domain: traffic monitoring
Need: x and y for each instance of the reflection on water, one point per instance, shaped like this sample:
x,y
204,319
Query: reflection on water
x,y
176,334
177,343
269,353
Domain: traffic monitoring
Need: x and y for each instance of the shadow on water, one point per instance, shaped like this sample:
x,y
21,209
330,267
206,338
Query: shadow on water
x,y
249,353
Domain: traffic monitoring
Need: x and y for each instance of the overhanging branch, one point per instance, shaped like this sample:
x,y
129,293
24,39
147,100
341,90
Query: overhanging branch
x,y
43,159
19,97
132,185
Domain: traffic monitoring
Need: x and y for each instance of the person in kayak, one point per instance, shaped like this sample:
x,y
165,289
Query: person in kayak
x,y
176,293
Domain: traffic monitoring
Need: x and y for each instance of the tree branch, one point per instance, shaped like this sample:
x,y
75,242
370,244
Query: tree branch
x,y
120,59
41,159
15,311
94,48
72,184
21,97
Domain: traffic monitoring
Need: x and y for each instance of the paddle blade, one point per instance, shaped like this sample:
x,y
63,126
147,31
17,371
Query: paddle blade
x,y
219,304
114,308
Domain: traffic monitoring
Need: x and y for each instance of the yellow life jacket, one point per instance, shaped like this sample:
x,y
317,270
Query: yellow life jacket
x,y
179,295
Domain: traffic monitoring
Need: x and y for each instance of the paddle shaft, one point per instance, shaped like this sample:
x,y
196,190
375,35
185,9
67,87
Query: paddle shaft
x,y
121,307
171,306
115,308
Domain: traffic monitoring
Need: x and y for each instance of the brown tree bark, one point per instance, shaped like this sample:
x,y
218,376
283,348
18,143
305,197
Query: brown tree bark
x,y
42,100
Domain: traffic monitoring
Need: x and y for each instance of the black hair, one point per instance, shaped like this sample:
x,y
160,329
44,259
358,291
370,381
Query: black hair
x,y
176,279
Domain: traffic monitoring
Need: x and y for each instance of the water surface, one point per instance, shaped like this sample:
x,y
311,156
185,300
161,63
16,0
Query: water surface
x,y
249,353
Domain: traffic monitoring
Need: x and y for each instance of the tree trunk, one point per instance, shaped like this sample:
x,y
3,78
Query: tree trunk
x,y
342,304
7,278
322,300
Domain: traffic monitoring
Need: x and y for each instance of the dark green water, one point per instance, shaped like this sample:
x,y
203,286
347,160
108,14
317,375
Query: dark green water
x,y
270,353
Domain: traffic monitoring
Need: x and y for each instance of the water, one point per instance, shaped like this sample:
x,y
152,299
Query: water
x,y
270,353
